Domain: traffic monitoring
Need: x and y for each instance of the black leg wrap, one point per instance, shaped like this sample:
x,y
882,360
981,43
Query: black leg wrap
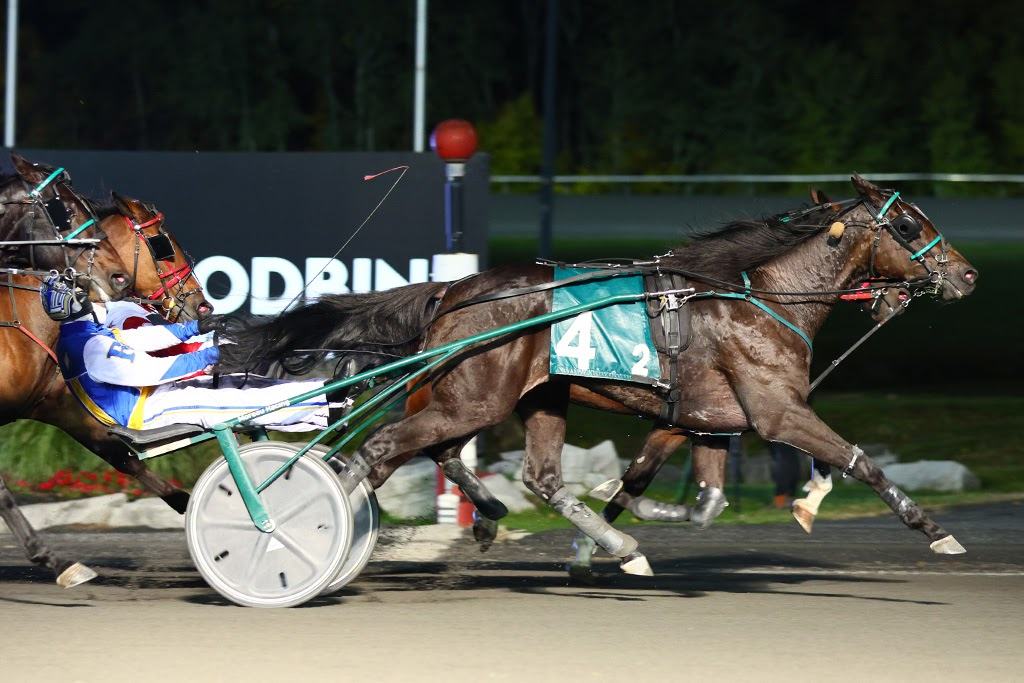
x,y
178,501
485,502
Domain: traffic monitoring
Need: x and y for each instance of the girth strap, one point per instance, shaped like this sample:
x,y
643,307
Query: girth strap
x,y
672,336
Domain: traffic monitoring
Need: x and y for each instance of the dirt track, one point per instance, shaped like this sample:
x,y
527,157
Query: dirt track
x,y
732,603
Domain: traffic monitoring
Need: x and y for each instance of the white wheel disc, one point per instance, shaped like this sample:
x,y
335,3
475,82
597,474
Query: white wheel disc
x,y
365,529
293,563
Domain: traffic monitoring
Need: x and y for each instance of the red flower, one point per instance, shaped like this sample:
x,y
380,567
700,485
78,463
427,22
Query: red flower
x,y
46,486
89,476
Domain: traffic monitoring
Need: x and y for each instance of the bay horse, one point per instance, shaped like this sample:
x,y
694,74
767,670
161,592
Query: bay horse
x,y
746,368
30,384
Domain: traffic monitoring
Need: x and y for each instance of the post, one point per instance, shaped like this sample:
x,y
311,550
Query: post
x,y
12,72
420,78
454,141
547,173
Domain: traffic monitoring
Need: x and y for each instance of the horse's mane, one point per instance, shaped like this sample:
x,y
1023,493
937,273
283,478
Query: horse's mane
x,y
741,245
390,321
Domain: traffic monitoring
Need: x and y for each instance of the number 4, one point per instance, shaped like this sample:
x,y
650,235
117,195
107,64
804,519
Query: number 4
x,y
578,331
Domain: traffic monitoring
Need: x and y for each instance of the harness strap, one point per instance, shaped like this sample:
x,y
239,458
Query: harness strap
x,y
747,296
28,333
79,229
926,248
42,186
173,277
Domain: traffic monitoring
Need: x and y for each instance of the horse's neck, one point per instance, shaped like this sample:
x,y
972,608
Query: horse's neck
x,y
814,266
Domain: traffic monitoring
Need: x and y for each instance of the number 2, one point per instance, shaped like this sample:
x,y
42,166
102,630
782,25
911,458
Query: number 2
x,y
642,352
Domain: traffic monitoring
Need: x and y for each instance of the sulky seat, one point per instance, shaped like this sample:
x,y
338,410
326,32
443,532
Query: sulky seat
x,y
145,437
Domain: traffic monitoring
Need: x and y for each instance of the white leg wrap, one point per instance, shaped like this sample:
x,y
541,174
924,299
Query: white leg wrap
x,y
817,488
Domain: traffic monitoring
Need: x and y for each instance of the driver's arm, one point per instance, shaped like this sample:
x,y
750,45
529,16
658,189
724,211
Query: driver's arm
x,y
111,361
156,337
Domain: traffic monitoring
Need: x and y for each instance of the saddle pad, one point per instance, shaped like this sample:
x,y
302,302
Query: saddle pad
x,y
613,342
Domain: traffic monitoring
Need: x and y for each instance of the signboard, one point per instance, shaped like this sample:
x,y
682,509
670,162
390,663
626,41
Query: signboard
x,y
263,226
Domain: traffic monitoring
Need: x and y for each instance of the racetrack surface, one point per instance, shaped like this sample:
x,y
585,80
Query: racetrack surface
x,y
860,599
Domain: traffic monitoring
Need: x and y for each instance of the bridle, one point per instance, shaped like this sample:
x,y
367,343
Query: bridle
x,y
171,293
905,228
59,217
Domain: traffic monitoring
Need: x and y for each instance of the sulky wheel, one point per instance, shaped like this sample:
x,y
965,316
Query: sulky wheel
x,y
365,527
283,568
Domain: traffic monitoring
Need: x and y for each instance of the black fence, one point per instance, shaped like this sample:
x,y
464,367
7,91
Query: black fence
x,y
260,225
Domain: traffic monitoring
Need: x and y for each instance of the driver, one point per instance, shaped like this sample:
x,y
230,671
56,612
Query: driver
x,y
110,371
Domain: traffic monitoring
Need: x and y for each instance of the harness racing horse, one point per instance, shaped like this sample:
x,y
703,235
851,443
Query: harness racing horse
x,y
30,385
762,290
708,456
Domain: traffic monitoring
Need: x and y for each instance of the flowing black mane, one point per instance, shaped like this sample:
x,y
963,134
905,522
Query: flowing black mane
x,y
370,322
743,245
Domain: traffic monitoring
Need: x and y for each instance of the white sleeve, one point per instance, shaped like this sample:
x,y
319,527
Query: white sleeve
x,y
151,337
108,360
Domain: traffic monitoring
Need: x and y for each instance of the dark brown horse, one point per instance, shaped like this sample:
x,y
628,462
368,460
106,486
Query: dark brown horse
x,y
30,385
745,368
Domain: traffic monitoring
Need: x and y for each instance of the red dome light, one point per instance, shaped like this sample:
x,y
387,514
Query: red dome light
x,y
454,140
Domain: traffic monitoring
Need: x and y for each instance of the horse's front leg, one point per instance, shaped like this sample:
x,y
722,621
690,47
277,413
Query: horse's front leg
x,y
62,412
790,420
68,573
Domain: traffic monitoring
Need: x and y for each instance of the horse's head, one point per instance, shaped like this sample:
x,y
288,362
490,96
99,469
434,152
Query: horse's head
x,y
161,269
905,245
41,204
879,303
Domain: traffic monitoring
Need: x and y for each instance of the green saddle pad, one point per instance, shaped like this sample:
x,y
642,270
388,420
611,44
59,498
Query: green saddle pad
x,y
613,342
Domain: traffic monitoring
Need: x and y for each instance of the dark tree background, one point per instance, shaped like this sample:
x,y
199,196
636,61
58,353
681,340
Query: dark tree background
x,y
645,86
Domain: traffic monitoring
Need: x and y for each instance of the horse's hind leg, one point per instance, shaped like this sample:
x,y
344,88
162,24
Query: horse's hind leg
x,y
61,412
627,494
543,412
68,573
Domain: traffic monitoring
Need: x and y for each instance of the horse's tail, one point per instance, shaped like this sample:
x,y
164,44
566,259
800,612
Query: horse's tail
x,y
378,324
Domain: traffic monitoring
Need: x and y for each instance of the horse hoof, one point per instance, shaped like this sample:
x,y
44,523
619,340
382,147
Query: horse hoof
x,y
803,516
637,565
947,545
582,573
75,575
484,531
606,491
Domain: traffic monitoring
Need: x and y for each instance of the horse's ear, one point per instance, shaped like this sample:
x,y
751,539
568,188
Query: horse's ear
x,y
32,173
867,189
819,197
127,206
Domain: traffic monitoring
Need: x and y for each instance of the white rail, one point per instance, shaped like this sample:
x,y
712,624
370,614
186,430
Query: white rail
x,y
765,178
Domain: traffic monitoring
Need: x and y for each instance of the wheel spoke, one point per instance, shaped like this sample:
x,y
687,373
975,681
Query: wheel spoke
x,y
258,551
297,550
301,506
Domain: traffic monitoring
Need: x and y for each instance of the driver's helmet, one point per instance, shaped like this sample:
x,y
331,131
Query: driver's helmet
x,y
62,299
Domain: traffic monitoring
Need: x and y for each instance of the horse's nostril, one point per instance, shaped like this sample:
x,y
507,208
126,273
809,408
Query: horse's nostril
x,y
119,280
970,275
